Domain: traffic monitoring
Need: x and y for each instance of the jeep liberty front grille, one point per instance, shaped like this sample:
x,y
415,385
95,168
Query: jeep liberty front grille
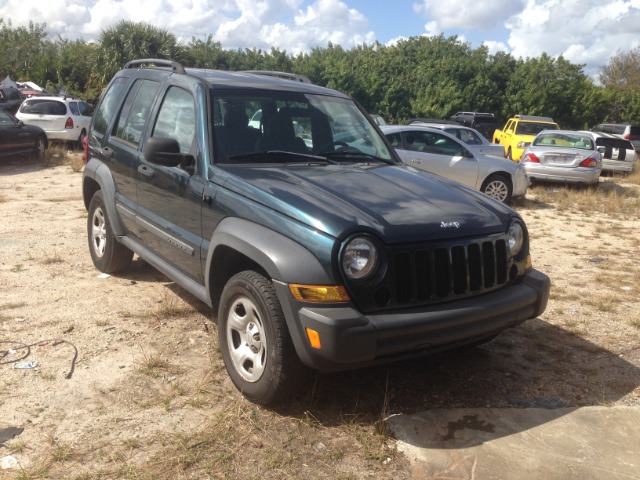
x,y
430,274
439,273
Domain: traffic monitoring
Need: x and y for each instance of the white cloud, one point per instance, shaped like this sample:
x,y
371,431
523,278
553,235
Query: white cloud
x,y
586,32
582,31
284,24
477,15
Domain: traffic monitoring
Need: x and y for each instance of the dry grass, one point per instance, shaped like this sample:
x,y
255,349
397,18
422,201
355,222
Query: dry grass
x,y
337,429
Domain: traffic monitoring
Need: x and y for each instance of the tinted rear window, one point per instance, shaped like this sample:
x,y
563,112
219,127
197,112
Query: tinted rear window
x,y
634,130
44,107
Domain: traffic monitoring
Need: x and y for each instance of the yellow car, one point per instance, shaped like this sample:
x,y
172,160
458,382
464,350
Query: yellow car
x,y
519,131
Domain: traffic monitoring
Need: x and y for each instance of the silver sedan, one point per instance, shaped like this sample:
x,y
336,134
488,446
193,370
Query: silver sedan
x,y
475,141
563,156
438,152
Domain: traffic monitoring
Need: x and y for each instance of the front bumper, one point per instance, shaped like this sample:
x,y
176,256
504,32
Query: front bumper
x,y
351,339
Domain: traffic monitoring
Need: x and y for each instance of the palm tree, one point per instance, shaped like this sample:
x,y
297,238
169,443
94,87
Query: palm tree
x,y
131,40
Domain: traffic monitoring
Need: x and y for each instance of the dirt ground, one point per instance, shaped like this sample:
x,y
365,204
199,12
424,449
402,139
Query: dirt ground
x,y
148,368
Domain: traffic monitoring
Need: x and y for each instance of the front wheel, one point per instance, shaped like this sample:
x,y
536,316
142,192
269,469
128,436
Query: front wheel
x,y
498,187
108,255
254,340
39,148
510,154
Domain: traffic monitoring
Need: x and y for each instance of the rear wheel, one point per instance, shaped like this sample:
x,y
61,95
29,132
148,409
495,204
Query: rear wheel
x,y
498,187
107,253
255,341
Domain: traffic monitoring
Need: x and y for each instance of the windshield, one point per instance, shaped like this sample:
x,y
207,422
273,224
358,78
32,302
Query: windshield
x,y
292,127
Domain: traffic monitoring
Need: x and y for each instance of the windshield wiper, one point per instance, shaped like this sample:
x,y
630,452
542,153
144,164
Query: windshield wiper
x,y
303,157
354,155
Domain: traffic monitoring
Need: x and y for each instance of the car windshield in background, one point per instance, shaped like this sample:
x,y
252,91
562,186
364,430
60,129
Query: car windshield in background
x,y
303,125
533,128
553,140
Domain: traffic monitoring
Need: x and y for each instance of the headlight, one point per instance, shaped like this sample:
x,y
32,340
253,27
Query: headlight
x,y
516,238
360,258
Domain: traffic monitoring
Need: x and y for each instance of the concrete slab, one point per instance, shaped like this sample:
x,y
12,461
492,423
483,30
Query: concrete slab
x,y
592,443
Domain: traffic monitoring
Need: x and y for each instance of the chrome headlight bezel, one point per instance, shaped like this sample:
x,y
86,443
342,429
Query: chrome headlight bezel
x,y
516,238
360,258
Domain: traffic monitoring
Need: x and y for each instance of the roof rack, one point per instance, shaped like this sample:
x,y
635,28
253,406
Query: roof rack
x,y
158,62
534,117
431,120
285,75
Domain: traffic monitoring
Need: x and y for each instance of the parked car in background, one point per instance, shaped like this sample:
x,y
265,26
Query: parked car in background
x,y
475,141
519,131
63,118
435,151
10,99
378,119
485,123
625,131
618,155
563,156
16,138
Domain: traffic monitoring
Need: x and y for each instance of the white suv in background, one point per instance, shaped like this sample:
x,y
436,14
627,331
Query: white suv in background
x,y
62,118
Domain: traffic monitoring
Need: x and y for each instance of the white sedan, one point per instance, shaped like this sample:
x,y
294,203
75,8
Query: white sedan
x,y
438,152
618,154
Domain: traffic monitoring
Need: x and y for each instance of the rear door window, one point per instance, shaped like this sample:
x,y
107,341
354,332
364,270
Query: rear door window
x,y
108,105
134,113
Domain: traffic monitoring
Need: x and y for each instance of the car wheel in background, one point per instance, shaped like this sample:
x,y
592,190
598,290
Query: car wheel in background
x,y
498,187
108,255
81,138
39,148
255,342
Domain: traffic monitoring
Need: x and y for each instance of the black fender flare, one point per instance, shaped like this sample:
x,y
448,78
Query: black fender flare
x,y
281,257
98,172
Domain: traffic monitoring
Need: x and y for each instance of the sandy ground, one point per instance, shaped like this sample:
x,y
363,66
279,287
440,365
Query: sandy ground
x,y
145,347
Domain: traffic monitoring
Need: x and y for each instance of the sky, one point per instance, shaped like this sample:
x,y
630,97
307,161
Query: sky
x,y
585,32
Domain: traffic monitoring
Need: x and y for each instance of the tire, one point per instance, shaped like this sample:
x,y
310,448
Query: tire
x,y
39,148
510,155
255,342
80,138
499,187
108,255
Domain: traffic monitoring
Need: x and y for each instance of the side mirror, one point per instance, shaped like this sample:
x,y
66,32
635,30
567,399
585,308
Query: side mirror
x,y
602,149
166,152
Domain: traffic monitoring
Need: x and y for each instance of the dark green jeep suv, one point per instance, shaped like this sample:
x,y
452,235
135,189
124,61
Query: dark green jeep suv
x,y
317,247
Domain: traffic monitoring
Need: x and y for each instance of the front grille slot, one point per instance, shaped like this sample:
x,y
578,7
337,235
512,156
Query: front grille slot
x,y
434,274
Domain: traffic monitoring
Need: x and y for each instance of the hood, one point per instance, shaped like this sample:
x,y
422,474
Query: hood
x,y
397,203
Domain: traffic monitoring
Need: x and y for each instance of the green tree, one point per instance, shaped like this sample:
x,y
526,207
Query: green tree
x,y
548,87
26,53
623,71
129,41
